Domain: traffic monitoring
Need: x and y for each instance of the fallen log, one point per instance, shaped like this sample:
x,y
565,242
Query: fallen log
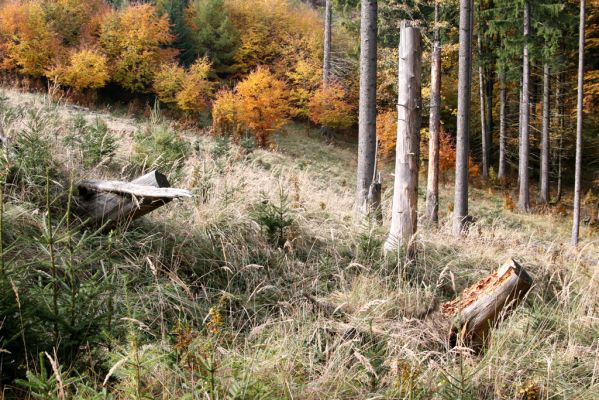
x,y
111,203
483,305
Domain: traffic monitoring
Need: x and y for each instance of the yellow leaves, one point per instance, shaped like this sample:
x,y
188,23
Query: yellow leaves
x,y
27,44
133,39
386,133
196,88
329,108
86,69
168,82
258,104
225,119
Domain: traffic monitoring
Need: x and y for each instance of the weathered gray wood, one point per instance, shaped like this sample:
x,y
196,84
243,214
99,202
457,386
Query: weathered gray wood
x,y
579,106
486,303
460,209
484,127
112,202
502,171
432,185
404,219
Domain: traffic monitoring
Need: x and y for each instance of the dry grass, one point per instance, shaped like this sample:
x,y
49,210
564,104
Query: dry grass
x,y
216,310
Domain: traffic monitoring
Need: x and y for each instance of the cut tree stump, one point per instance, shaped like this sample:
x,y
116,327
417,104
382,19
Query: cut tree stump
x,y
486,303
110,203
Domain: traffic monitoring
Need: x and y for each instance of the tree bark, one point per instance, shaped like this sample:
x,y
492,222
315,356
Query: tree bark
x,y
484,127
432,186
367,107
460,211
544,177
560,121
579,106
485,303
524,194
404,220
502,172
110,203
328,20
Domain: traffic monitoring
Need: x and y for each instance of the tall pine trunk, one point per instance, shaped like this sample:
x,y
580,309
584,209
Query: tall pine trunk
x,y
460,211
367,107
544,178
560,123
404,219
432,186
328,20
484,127
523,175
502,172
579,105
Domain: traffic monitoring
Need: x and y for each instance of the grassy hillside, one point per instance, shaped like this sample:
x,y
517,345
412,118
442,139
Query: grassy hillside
x,y
209,298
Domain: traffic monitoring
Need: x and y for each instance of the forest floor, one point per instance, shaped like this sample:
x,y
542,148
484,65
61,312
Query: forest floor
x,y
213,297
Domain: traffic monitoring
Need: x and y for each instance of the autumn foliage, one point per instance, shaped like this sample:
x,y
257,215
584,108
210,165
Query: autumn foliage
x,y
86,69
328,107
258,104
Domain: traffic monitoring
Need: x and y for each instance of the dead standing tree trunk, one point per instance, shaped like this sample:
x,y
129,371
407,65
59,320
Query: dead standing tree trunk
x,y
484,304
111,203
432,186
404,219
484,126
502,171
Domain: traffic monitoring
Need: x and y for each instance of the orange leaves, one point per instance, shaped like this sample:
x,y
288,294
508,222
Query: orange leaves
x,y
263,105
27,44
259,104
329,108
196,88
133,39
86,69
386,133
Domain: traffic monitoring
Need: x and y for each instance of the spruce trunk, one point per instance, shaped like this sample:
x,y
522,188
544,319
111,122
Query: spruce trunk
x,y
404,220
484,127
328,19
579,105
367,106
544,178
460,211
524,194
432,186
502,172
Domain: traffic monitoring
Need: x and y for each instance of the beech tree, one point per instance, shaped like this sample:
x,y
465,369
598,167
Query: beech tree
x,y
404,219
367,104
460,210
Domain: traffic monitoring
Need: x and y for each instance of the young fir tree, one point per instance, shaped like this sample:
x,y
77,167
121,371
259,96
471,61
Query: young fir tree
x,y
212,34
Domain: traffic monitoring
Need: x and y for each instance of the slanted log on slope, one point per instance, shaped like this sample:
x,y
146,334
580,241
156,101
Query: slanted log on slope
x,y
115,202
486,303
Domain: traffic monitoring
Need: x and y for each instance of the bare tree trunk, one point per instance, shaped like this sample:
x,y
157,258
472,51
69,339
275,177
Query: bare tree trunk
x,y
579,105
544,178
524,195
404,219
502,173
328,20
367,108
560,120
460,211
432,186
485,131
